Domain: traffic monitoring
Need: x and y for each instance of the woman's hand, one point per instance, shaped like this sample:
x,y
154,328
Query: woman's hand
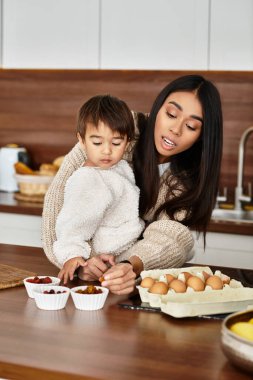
x,y
120,279
95,267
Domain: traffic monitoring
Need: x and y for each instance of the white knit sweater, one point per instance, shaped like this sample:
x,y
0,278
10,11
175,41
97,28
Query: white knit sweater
x,y
100,207
165,243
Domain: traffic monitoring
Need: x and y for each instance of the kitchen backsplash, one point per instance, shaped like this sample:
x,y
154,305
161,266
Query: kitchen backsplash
x,y
38,108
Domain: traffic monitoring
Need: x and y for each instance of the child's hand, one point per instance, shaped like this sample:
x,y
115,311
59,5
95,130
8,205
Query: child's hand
x,y
96,266
68,269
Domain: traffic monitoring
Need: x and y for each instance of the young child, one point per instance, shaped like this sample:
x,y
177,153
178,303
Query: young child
x,y
101,200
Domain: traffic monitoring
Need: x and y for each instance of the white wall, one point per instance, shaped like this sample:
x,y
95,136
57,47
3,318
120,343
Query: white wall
x,y
128,34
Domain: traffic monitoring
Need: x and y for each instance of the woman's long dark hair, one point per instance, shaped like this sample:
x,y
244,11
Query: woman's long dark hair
x,y
196,169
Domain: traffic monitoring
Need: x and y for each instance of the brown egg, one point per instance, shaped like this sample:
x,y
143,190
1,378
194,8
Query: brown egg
x,y
206,275
169,278
178,286
186,275
196,283
147,282
159,287
215,282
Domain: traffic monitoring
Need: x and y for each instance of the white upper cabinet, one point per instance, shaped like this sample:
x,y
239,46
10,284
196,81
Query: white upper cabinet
x,y
154,34
50,34
231,35
127,34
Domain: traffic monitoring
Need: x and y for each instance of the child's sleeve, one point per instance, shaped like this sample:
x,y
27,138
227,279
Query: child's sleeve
x,y
54,200
85,202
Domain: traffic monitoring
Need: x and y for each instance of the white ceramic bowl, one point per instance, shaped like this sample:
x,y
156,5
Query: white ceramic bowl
x,y
238,350
55,301
89,301
31,286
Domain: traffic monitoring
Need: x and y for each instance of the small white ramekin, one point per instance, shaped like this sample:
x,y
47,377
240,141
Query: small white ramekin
x,y
51,301
31,286
89,301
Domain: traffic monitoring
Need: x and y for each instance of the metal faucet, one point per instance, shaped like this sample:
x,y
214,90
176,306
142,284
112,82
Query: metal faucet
x,y
221,198
239,196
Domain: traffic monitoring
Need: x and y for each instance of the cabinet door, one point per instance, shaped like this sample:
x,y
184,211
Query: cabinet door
x,y
18,229
154,34
227,250
231,35
50,34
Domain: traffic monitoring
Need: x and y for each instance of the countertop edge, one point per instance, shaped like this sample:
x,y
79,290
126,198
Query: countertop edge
x,y
10,205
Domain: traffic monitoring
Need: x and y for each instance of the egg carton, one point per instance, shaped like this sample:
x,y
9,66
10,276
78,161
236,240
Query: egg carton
x,y
227,300
159,275
232,297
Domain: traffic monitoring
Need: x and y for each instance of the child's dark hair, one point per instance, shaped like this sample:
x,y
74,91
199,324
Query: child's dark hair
x,y
111,111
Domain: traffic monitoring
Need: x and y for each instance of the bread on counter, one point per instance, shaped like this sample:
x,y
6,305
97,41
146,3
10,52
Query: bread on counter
x,y
48,169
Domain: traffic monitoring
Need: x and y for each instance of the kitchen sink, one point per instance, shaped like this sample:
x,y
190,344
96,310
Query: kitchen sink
x,y
233,215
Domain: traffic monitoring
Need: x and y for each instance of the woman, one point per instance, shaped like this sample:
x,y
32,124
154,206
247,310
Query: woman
x,y
176,162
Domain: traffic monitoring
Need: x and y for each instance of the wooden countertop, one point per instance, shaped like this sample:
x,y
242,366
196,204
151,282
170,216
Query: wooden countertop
x,y
112,343
10,205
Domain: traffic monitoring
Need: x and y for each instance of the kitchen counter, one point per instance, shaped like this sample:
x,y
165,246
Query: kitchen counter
x,y
112,343
10,205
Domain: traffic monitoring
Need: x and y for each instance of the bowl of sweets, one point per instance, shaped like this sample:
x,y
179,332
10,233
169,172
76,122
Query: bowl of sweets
x,y
51,297
31,283
89,297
